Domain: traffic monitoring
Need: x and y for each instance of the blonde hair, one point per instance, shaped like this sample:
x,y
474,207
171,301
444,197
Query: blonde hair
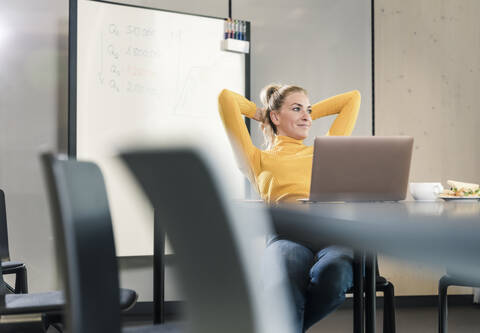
x,y
272,97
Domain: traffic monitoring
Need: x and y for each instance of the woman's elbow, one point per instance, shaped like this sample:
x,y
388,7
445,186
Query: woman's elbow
x,y
223,96
356,95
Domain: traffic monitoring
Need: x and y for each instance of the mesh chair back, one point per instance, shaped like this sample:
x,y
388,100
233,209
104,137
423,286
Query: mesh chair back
x,y
4,254
198,222
84,240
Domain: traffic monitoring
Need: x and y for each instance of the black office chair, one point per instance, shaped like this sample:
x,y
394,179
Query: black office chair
x,y
385,286
217,243
26,312
10,267
85,244
21,312
388,290
446,281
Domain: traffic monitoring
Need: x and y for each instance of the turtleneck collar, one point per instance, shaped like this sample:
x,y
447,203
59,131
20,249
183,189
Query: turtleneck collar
x,y
286,141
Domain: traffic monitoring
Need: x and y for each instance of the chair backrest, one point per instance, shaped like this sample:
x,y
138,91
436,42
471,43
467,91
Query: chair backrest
x,y
3,287
206,233
4,254
85,244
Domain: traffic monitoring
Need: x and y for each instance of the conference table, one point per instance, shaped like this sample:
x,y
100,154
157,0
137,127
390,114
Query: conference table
x,y
443,233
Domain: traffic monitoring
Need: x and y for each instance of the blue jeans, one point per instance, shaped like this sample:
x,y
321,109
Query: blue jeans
x,y
318,279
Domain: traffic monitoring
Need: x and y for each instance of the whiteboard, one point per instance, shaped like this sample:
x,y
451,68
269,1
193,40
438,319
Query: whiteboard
x,y
148,76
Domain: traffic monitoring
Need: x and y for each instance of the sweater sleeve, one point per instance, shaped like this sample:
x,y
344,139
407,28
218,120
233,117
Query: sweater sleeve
x,y
231,107
346,105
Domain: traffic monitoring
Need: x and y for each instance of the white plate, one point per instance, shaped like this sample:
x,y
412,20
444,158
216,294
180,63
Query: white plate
x,y
432,200
448,198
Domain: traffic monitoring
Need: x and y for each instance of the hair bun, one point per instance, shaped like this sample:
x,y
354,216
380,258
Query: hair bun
x,y
267,92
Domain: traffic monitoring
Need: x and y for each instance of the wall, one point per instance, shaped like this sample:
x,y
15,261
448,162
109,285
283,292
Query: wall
x,y
33,104
427,74
323,46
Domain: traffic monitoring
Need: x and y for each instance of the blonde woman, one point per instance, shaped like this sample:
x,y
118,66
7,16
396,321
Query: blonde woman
x,y
281,173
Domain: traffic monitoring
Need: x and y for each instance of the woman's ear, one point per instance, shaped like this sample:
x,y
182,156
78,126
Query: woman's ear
x,y
274,117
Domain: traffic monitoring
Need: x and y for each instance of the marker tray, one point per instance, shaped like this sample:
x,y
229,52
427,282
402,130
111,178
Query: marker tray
x,y
235,45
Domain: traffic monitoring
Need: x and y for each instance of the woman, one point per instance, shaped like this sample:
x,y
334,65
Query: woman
x,y
281,173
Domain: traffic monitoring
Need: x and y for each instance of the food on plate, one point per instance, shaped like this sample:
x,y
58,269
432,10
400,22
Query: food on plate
x,y
461,189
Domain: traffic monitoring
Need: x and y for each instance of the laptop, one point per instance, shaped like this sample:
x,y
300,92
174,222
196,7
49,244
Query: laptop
x,y
360,168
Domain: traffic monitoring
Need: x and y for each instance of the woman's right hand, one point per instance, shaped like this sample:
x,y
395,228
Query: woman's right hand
x,y
259,114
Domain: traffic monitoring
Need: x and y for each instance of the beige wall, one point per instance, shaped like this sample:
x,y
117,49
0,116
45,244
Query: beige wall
x,y
427,78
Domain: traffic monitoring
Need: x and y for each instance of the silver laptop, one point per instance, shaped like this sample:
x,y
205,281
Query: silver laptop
x,y
360,168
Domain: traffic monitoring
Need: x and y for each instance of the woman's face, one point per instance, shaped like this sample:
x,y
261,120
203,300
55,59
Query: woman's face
x,y
293,118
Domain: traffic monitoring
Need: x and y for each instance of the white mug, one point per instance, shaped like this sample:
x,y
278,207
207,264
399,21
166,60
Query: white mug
x,y
425,191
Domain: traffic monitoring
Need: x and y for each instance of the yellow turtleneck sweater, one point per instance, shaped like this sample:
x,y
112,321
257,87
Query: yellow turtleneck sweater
x,y
282,173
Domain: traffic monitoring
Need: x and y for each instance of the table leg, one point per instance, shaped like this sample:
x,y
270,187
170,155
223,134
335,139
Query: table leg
x,y
158,272
358,299
370,294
